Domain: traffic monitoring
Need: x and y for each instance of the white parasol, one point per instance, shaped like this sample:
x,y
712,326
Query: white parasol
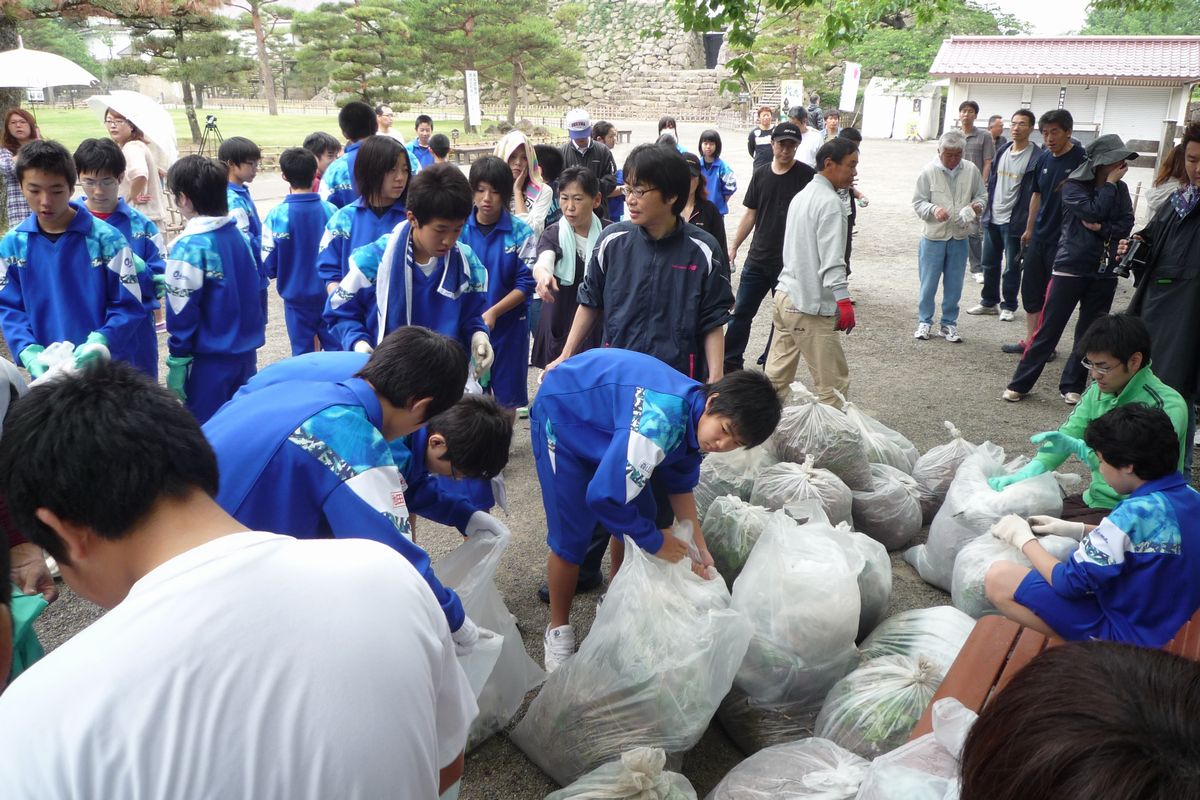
x,y
148,114
36,69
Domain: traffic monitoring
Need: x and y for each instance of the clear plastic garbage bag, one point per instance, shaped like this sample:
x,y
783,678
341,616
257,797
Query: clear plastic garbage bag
x,y
730,474
809,769
890,510
660,656
757,726
936,634
882,444
731,527
935,470
875,580
874,709
809,427
639,774
971,566
785,484
927,767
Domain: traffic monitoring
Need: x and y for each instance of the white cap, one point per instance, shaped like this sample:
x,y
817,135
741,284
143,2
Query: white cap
x,y
579,124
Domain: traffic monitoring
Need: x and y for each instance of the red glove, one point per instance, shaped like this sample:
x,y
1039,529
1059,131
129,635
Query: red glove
x,y
845,316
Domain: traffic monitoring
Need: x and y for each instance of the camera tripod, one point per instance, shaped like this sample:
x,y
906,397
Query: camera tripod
x,y
212,135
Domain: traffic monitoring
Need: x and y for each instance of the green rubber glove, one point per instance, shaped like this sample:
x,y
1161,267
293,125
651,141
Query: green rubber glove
x,y
1030,470
1060,444
94,348
160,286
177,372
29,359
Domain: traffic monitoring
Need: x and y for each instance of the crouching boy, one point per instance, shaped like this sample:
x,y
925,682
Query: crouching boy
x,y
1133,578
602,423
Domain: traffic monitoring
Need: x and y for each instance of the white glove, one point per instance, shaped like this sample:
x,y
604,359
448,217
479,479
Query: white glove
x,y
1014,530
967,215
481,349
465,637
1042,525
483,523
363,346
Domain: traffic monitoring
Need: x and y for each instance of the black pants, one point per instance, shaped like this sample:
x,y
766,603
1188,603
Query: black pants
x,y
600,536
758,280
1036,267
1094,297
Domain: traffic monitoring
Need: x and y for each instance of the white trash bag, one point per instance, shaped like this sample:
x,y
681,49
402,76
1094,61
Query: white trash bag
x,y
809,427
890,511
926,768
972,507
809,769
661,654
470,569
639,774
882,444
874,709
936,634
935,470
875,580
731,527
970,568
730,474
785,484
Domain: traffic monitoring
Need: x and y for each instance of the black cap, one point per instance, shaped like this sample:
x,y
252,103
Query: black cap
x,y
693,163
787,130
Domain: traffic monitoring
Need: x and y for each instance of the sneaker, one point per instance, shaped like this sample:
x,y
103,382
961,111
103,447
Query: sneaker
x,y
1013,349
1011,396
978,276
950,333
982,311
560,645
922,331
1053,356
523,412
1005,315
1071,398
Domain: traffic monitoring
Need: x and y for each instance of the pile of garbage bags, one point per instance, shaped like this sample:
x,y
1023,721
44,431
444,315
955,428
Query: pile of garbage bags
x,y
936,634
786,484
971,566
809,427
935,470
731,528
882,444
730,474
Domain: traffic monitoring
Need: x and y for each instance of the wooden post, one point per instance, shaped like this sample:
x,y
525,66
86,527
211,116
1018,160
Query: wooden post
x,y
1168,141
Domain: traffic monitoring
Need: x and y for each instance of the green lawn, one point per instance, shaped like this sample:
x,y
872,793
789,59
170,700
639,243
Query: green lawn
x,y
71,126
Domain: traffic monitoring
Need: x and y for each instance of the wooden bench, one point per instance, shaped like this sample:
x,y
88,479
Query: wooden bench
x,y
624,137
998,649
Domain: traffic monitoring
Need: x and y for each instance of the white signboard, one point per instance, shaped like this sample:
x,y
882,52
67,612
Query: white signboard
x,y
791,95
474,117
850,86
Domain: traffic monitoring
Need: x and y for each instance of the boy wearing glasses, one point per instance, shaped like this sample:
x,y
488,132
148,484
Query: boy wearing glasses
x,y
1117,348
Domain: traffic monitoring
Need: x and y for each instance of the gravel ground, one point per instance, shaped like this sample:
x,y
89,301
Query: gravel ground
x,y
910,385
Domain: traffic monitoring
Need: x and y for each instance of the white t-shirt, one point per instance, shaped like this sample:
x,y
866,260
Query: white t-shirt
x,y
256,666
1008,183
810,142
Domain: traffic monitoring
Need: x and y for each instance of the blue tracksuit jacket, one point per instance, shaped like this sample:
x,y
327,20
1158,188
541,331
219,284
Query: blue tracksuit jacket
x,y
62,291
720,181
507,253
245,214
617,417
292,234
337,184
383,283
313,463
423,155
147,244
351,227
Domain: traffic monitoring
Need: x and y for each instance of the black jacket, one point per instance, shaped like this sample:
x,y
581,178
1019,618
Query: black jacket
x,y
1092,253
1020,212
1168,298
659,297
706,217
599,159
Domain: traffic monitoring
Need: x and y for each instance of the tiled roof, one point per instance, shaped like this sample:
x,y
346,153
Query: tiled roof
x,y
1174,58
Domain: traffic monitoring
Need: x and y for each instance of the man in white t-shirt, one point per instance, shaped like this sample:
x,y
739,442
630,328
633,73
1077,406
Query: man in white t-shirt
x,y
811,139
231,663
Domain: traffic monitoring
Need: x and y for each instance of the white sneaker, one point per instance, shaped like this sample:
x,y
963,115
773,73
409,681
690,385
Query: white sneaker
x,y
1072,398
1006,315
949,333
560,645
982,311
923,331
978,276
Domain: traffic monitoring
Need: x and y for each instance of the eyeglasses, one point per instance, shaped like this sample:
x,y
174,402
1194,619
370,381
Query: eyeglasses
x,y
636,193
1090,367
103,183
115,121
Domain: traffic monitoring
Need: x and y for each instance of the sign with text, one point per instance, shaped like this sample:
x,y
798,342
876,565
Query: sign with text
x,y
850,82
791,95
474,116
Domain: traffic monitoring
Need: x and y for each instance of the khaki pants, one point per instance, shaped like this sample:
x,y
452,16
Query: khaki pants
x,y
815,338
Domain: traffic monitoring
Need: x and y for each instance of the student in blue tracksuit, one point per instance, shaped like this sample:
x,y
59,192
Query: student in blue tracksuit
x,y
602,424
1133,578
312,459
507,247
215,293
240,157
718,176
292,234
65,275
420,274
357,121
101,167
419,146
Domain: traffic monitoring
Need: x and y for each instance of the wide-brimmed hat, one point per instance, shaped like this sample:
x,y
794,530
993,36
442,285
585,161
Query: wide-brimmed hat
x,y
1106,149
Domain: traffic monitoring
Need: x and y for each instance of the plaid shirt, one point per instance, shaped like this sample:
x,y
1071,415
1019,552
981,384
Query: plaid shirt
x,y
980,148
15,207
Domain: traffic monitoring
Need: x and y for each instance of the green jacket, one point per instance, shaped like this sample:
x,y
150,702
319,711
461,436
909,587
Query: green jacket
x,y
1144,387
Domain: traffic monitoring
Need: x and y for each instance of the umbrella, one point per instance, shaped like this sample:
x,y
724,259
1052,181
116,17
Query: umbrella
x,y
35,69
148,114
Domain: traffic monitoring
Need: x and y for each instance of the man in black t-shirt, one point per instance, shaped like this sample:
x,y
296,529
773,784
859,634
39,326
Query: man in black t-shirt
x,y
771,191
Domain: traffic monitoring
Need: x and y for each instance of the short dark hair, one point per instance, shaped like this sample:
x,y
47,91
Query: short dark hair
x,y
99,157
1060,117
667,122
586,179
478,434
837,149
423,118
1136,435
439,144
440,191
971,104
492,170
1137,736
379,108
1119,335
298,166
46,155
853,134
238,150
662,167
667,139
204,181
994,117
412,363
1190,134
550,160
319,143
602,129
377,156
711,135
1029,115
834,113
357,120
750,402
99,448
